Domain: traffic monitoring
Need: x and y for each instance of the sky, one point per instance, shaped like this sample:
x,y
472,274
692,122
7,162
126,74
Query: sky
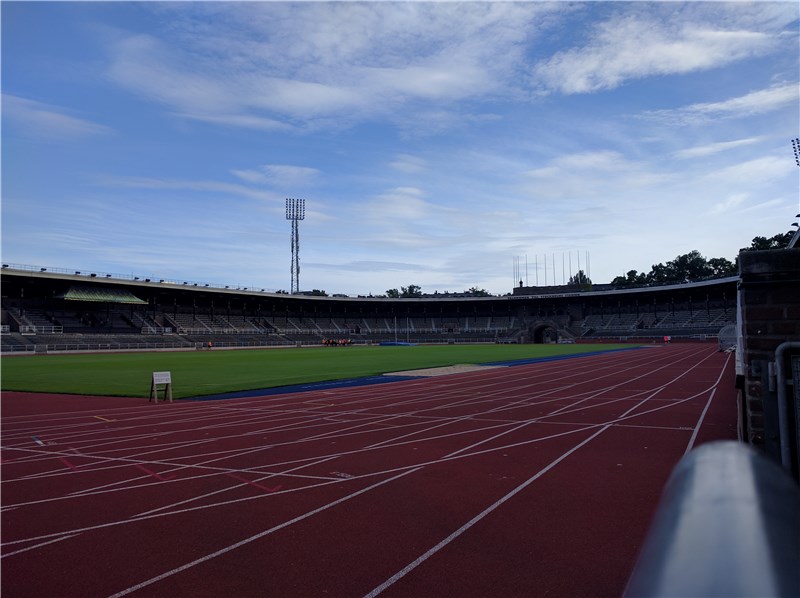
x,y
445,145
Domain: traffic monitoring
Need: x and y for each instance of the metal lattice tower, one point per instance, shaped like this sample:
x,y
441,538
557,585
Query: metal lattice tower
x,y
795,240
295,211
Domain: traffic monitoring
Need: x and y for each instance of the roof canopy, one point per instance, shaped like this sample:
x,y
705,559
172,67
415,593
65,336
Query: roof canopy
x,y
101,295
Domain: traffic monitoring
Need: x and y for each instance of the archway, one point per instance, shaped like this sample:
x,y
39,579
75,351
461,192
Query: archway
x,y
543,333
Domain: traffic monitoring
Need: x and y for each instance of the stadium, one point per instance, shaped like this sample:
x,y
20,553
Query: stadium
x,y
453,456
163,435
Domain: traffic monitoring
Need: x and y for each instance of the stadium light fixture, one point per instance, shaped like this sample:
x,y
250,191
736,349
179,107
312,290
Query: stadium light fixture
x,y
295,211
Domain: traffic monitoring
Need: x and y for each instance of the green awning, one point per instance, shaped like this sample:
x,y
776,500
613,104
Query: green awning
x,y
101,295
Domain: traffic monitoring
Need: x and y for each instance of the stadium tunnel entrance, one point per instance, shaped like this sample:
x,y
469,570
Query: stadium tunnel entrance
x,y
543,333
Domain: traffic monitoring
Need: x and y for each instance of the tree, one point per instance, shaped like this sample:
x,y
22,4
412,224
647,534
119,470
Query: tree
x,y
722,267
659,273
690,266
476,292
776,242
631,279
580,278
393,294
411,290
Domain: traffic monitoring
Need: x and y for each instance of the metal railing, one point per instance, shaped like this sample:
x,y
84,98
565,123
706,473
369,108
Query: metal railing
x,y
728,525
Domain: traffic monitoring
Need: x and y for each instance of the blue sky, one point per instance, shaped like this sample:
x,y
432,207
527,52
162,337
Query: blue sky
x,y
434,143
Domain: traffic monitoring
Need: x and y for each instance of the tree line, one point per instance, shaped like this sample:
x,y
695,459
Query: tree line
x,y
694,266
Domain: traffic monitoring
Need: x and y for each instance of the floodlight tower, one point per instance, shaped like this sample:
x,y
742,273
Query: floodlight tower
x,y
795,240
295,211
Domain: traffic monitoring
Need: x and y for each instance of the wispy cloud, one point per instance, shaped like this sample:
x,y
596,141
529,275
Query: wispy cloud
x,y
46,121
216,187
730,203
272,65
714,148
367,266
761,101
408,163
279,175
628,47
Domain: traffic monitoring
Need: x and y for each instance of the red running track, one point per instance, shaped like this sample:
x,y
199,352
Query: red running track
x,y
534,480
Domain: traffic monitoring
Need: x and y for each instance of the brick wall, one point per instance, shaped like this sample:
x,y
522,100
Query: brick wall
x,y
769,294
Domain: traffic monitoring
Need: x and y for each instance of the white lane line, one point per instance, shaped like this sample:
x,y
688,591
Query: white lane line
x,y
227,489
255,537
705,409
426,555
37,546
423,557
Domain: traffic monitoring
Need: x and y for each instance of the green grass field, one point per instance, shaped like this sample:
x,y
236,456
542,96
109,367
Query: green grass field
x,y
210,372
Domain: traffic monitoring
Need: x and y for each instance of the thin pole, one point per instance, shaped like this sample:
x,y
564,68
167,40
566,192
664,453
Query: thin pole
x,y
588,266
570,263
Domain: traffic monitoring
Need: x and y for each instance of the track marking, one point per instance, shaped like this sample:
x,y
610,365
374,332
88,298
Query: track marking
x,y
255,537
206,495
254,484
430,552
423,557
66,462
104,419
705,409
37,546
157,476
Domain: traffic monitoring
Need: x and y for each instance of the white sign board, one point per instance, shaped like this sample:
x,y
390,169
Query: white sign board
x,y
162,378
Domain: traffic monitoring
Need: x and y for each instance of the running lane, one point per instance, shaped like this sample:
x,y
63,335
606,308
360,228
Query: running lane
x,y
531,480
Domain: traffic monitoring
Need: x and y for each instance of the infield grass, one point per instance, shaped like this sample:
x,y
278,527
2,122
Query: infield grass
x,y
219,371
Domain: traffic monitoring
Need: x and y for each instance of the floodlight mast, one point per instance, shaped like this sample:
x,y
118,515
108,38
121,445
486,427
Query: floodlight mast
x,y
295,211
795,240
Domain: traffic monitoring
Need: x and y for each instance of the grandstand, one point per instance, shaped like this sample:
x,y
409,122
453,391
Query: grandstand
x,y
46,311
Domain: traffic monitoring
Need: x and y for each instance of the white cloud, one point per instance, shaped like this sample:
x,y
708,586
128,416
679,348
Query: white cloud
x,y
268,63
757,102
753,172
399,204
46,121
246,121
408,163
732,202
279,175
714,148
215,187
637,46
